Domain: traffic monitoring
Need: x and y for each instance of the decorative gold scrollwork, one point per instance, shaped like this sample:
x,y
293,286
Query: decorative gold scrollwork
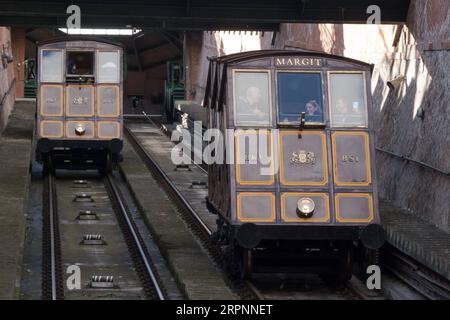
x,y
302,157
80,100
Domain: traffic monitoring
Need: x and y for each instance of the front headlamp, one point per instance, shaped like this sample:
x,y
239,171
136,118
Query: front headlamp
x,y
305,207
80,130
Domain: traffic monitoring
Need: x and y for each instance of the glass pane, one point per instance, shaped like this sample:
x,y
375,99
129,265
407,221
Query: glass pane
x,y
52,66
299,92
108,66
252,98
80,63
347,100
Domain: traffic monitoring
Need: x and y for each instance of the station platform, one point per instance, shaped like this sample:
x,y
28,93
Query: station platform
x,y
15,154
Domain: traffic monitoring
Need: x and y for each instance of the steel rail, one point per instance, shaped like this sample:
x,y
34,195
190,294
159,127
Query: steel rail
x,y
51,212
426,282
117,198
154,166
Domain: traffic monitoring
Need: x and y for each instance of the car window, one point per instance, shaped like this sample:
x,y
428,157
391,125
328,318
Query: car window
x,y
108,66
347,100
299,92
51,66
252,98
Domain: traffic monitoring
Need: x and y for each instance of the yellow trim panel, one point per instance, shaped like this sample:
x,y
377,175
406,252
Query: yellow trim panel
x,y
99,87
239,180
338,197
239,197
41,129
73,135
117,124
324,182
67,100
366,155
42,102
324,196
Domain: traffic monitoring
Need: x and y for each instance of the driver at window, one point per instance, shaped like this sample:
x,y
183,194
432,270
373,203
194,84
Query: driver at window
x,y
251,104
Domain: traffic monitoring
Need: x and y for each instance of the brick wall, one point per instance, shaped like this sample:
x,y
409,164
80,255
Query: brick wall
x,y
6,79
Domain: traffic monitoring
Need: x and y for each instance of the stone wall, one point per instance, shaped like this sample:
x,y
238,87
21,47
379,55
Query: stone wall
x,y
6,79
201,45
412,120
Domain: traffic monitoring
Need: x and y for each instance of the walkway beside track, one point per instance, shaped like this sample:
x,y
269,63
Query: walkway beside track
x,y
15,153
193,270
417,238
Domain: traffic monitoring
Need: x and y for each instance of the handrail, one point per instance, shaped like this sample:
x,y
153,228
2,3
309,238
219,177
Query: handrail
x,y
423,164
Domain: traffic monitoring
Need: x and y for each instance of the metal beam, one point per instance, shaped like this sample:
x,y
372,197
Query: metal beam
x,y
199,14
160,63
153,47
174,44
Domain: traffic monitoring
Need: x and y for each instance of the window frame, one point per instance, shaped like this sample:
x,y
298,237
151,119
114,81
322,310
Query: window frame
x,y
360,72
97,64
323,98
269,87
94,62
63,65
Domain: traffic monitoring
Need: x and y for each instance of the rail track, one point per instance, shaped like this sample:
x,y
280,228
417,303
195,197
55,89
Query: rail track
x,y
114,260
426,282
247,289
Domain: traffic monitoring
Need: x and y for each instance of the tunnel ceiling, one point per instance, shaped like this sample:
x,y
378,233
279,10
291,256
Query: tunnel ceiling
x,y
197,14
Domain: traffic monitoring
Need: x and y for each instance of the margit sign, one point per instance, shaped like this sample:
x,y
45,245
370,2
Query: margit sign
x,y
297,62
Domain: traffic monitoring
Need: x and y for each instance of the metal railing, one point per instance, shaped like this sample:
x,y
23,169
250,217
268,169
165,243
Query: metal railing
x,y
406,158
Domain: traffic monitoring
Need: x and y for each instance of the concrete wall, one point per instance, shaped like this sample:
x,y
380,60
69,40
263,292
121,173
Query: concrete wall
x,y
419,51
6,79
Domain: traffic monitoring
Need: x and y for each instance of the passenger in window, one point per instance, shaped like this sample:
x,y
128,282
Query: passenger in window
x,y
346,113
342,106
312,108
251,104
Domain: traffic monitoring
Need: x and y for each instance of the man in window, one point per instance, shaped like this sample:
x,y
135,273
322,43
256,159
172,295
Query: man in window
x,y
251,107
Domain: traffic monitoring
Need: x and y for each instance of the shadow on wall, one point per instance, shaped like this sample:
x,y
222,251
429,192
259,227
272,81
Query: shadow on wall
x,y
412,121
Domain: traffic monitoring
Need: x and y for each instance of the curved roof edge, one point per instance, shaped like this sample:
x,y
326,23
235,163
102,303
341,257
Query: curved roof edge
x,y
78,38
250,55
